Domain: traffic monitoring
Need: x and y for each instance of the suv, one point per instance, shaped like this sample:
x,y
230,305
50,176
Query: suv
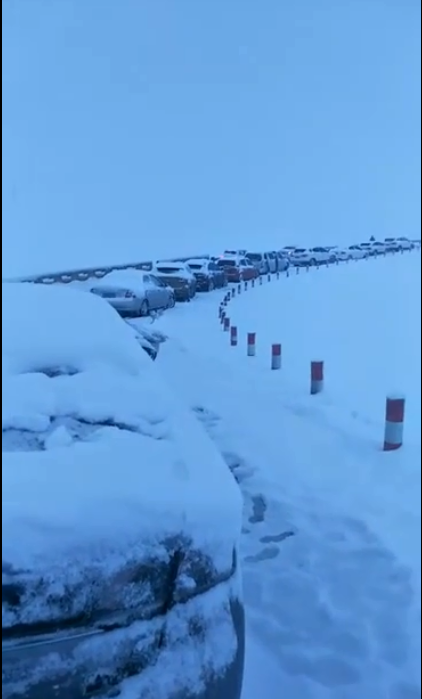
x,y
120,518
179,277
208,275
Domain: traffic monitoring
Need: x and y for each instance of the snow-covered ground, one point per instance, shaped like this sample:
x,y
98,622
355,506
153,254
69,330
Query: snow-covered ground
x,y
331,530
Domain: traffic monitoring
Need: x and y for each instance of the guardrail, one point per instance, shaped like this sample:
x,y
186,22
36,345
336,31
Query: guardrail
x,y
85,273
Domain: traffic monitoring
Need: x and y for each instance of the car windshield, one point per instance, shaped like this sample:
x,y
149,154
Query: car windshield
x,y
195,266
254,256
300,250
227,263
169,270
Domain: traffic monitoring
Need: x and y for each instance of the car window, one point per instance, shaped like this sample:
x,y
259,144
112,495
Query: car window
x,y
156,280
226,263
168,270
254,256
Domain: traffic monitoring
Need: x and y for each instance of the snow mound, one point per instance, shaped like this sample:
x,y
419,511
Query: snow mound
x,y
102,466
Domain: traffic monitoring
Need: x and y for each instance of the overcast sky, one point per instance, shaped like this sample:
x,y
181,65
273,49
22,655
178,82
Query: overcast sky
x,y
136,128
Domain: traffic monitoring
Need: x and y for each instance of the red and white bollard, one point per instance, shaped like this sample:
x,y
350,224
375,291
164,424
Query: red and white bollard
x,y
223,315
246,285
394,423
317,377
278,274
239,288
276,357
251,344
233,336
226,324
260,280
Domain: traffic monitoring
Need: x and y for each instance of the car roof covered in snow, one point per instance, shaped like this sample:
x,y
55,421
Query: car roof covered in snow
x,y
130,279
139,470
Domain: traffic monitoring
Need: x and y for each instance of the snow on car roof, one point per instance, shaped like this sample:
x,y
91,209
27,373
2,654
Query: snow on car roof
x,y
130,279
147,472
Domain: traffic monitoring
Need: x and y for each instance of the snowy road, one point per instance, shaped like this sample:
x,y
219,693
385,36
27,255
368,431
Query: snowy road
x,y
331,537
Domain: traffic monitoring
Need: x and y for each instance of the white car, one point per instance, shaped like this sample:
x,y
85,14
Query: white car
x,y
358,252
340,254
260,261
397,244
320,255
300,257
133,292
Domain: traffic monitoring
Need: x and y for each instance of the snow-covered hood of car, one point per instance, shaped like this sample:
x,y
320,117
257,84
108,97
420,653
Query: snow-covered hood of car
x,y
104,469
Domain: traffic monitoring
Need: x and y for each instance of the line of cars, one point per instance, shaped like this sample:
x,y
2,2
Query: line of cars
x,y
305,257
159,285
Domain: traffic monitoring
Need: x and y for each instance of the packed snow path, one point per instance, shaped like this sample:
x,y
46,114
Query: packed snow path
x,y
331,536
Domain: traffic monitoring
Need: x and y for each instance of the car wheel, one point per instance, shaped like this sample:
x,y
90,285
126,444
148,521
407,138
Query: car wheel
x,y
172,302
144,309
210,285
313,262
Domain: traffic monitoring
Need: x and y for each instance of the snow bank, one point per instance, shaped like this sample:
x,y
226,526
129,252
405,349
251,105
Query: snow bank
x,y
101,464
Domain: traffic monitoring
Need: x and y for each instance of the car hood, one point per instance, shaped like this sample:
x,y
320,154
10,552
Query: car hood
x,y
111,486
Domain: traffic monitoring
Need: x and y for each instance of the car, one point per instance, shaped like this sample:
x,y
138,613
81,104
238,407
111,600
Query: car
x,y
271,257
319,255
283,262
340,254
247,269
375,247
259,260
121,520
235,253
288,249
358,252
208,275
231,267
405,243
391,245
368,249
134,293
178,276
300,257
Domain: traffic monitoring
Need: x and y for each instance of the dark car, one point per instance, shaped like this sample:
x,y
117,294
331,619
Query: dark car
x,y
179,277
231,267
121,521
208,275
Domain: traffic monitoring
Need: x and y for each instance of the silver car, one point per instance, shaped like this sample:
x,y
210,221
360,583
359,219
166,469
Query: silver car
x,y
134,293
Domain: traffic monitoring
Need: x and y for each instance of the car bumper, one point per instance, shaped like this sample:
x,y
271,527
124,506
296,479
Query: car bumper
x,y
183,293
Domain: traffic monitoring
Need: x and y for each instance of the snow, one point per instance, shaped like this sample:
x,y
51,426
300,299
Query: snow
x,y
101,462
331,526
131,280
179,269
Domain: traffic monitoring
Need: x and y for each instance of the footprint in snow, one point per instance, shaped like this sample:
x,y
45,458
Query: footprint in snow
x,y
267,554
259,509
276,538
